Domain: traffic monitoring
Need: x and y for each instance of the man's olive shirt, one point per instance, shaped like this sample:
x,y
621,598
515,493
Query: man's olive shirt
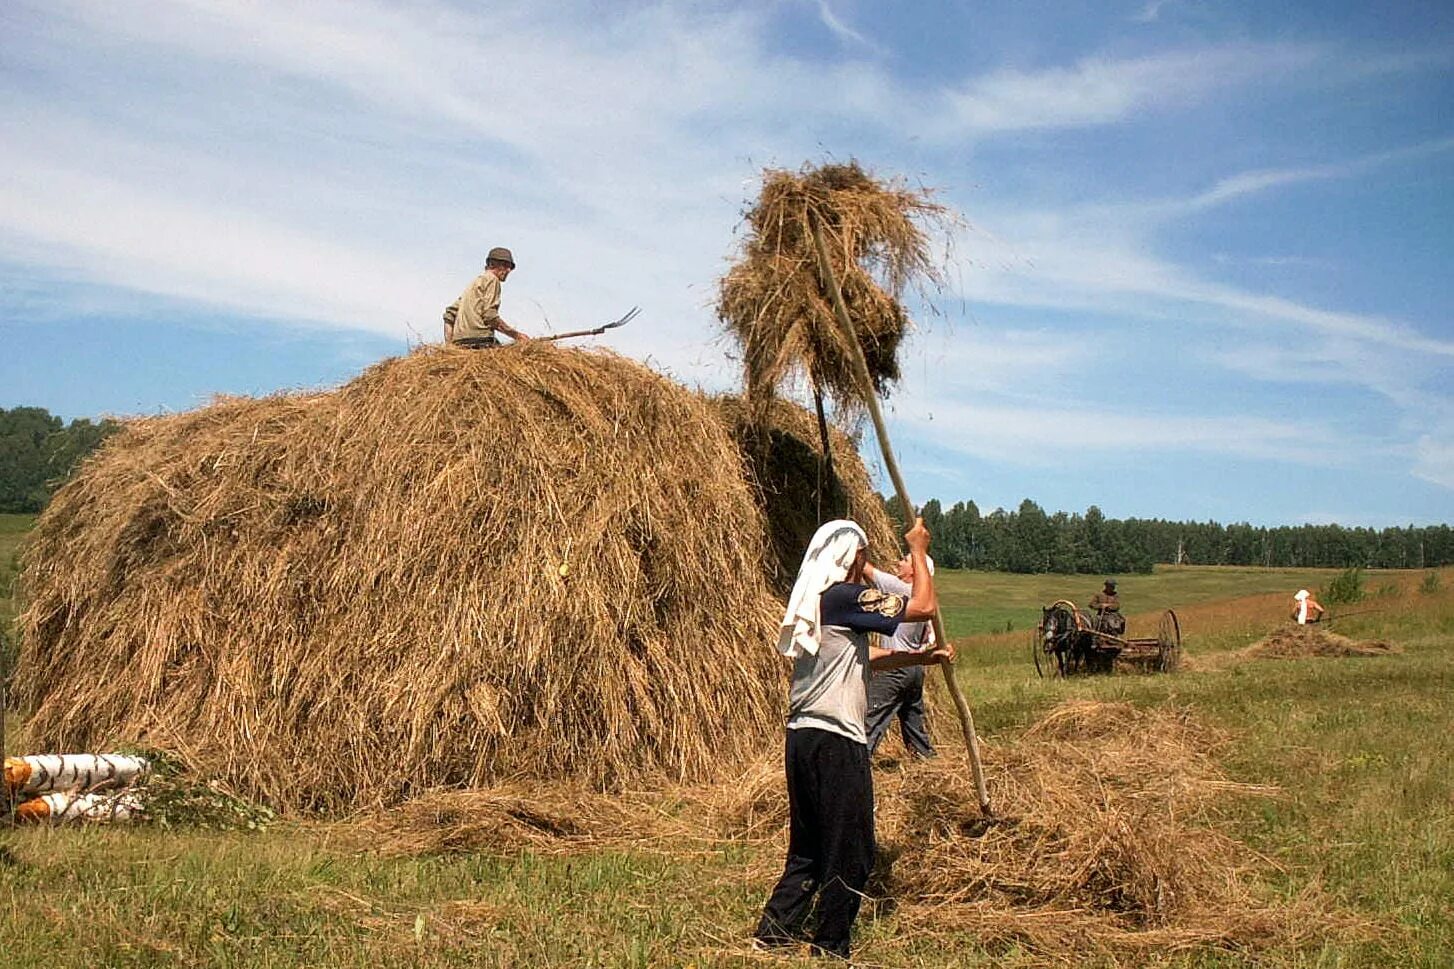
x,y
477,310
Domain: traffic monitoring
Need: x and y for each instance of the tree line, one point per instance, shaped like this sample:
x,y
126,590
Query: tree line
x,y
38,451
1030,540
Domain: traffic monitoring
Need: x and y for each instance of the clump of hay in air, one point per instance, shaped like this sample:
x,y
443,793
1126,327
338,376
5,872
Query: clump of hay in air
x,y
1300,642
784,456
774,301
456,569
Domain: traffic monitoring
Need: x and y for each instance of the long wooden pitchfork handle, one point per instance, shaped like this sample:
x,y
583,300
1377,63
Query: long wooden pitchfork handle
x,y
966,717
630,315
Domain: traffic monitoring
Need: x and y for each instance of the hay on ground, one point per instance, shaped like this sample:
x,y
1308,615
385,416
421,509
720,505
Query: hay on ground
x,y
783,453
458,568
1108,838
774,301
1300,642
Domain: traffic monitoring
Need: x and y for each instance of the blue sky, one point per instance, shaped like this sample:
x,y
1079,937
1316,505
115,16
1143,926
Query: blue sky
x,y
1204,272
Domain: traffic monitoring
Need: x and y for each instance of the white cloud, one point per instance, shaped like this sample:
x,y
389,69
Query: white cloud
x,y
1010,433
1097,91
1434,458
1151,12
1255,182
838,28
401,141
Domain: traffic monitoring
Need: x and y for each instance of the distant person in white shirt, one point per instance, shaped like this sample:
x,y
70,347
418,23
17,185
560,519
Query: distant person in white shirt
x,y
900,692
1306,609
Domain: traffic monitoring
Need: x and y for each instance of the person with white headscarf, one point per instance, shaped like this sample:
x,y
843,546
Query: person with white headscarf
x,y
1305,608
825,632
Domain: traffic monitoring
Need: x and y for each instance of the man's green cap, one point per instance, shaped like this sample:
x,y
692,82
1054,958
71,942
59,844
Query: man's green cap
x,y
501,254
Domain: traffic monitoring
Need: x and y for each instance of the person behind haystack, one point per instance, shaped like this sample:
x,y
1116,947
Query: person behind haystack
x,y
1306,608
900,692
473,320
825,632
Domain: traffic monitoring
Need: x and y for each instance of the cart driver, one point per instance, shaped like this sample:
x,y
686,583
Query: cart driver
x,y
1106,604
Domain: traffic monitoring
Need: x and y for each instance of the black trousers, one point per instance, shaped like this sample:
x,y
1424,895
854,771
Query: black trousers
x,y
898,693
830,841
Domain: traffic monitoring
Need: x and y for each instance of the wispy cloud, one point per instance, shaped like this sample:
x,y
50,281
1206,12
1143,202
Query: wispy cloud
x,y
1097,91
1434,459
349,163
838,28
1256,182
1026,434
1151,12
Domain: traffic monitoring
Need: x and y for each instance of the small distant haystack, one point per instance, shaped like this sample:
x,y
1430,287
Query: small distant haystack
x,y
784,457
1305,642
774,300
460,567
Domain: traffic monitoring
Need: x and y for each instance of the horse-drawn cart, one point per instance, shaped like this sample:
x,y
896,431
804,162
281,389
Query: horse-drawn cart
x,y
1069,641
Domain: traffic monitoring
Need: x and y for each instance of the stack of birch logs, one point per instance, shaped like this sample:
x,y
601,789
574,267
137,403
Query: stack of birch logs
x,y
74,787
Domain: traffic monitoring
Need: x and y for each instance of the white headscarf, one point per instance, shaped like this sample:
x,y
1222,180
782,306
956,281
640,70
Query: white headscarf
x,y
829,557
1301,595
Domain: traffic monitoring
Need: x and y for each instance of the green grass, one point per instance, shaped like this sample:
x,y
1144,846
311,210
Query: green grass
x,y
1361,749
985,602
12,530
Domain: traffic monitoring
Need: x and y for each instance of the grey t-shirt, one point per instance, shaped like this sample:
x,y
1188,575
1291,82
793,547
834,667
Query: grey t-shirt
x,y
830,688
910,636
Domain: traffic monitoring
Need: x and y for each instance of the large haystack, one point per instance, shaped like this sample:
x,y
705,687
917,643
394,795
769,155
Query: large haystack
x,y
775,302
460,567
784,456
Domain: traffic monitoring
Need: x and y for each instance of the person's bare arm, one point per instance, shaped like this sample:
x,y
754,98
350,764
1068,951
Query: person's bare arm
x,y
880,659
923,600
510,331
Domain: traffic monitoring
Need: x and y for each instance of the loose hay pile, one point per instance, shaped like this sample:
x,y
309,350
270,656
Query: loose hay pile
x,y
459,568
783,453
1299,642
774,301
1107,838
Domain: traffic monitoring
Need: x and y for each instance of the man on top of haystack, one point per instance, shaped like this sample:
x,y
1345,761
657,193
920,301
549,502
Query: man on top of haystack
x,y
830,788
1107,607
473,319
1305,608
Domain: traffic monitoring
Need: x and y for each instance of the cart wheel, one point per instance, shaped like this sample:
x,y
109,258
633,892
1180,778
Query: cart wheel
x,y
1168,642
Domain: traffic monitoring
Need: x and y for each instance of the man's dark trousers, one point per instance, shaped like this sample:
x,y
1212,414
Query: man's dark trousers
x,y
898,692
830,840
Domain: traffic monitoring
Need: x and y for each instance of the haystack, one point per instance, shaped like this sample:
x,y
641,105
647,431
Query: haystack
x,y
1300,642
784,457
773,299
459,567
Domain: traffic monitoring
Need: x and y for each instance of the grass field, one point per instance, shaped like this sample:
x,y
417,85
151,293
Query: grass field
x,y
1360,748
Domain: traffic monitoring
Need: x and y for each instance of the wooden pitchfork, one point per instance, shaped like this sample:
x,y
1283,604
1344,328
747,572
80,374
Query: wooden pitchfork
x,y
630,315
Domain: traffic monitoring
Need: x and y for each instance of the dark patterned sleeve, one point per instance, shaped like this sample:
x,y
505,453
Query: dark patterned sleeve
x,y
862,609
